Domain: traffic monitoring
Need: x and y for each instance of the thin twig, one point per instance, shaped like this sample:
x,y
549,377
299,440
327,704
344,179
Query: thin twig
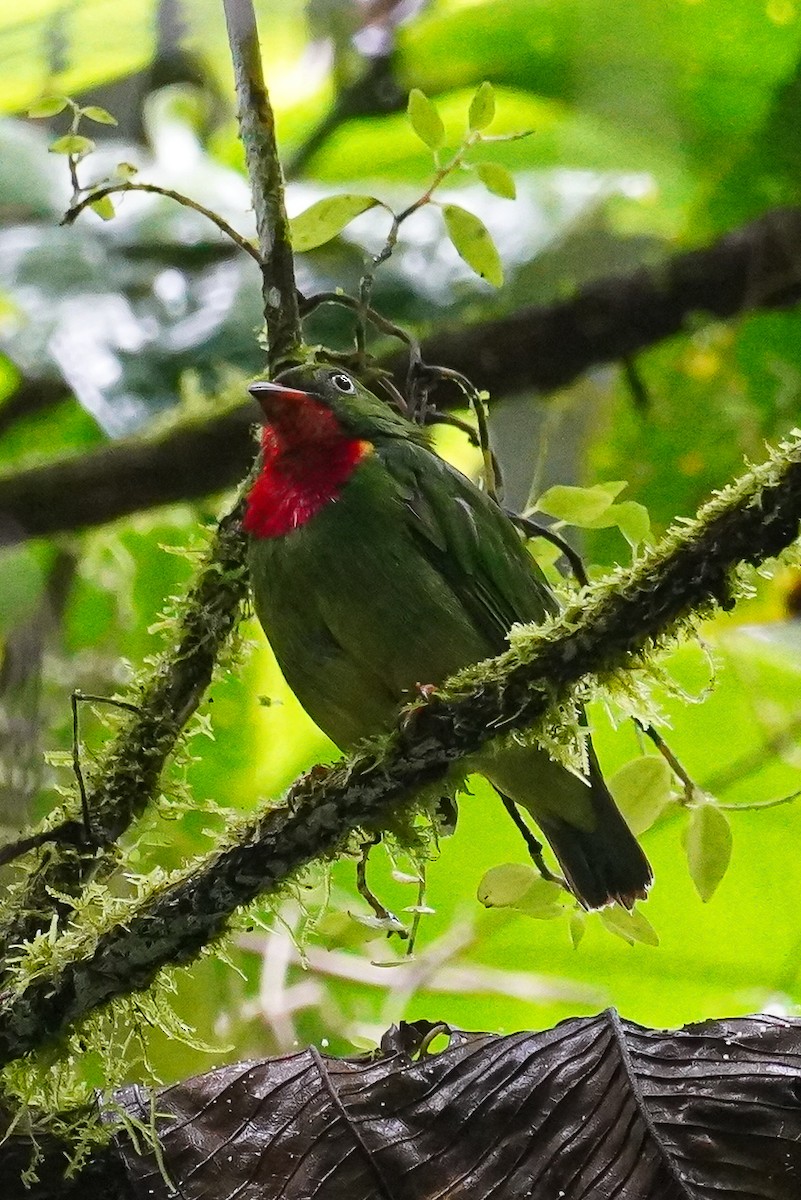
x,y
534,529
754,805
111,189
533,845
309,303
690,786
492,476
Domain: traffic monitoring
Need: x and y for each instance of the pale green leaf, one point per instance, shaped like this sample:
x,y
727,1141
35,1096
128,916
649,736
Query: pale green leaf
x,y
473,243
630,926
544,553
482,107
125,170
503,886
48,106
632,520
95,113
577,505
709,844
612,487
577,927
72,143
326,218
542,900
521,887
642,790
497,180
426,121
104,207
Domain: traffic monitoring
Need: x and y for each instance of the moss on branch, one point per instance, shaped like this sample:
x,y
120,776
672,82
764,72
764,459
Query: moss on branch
x,y
128,777
603,633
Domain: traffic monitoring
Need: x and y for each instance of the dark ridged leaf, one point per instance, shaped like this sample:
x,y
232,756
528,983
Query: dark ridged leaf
x,y
594,1109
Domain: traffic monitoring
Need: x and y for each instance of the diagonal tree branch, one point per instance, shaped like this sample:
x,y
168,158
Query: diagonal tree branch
x,y
755,267
604,631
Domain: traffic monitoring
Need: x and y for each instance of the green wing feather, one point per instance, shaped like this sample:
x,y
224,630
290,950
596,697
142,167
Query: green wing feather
x,y
470,542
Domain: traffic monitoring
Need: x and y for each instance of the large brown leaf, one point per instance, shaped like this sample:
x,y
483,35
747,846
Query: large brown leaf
x,y
595,1108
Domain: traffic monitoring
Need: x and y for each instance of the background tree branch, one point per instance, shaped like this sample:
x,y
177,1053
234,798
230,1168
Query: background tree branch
x,y
755,267
606,629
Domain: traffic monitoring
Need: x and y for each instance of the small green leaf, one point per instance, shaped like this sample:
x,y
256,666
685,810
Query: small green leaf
x,y
48,106
630,926
95,113
326,218
521,887
72,143
473,243
503,886
642,790
632,520
497,180
482,107
426,121
709,844
612,487
576,505
125,170
543,900
577,927
544,553
103,207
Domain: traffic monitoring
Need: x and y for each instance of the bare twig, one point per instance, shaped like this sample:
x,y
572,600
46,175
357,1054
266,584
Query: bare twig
x,y
111,189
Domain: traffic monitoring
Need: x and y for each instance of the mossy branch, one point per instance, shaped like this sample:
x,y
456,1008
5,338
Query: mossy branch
x,y
606,630
129,777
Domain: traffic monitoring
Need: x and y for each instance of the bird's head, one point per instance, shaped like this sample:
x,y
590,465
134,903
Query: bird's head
x,y
312,403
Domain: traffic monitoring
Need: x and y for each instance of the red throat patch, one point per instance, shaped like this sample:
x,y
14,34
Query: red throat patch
x,y
307,461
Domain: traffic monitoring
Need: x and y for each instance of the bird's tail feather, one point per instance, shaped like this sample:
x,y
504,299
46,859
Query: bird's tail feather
x,y
603,864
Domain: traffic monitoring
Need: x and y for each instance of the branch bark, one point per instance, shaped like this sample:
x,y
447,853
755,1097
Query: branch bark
x,y
606,630
756,267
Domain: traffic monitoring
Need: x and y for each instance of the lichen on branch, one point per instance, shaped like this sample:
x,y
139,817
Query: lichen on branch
x,y
603,634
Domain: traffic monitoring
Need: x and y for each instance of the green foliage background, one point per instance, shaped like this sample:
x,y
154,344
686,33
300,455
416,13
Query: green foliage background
x,y
657,125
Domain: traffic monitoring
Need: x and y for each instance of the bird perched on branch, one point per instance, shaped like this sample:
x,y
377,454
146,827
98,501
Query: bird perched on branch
x,y
377,567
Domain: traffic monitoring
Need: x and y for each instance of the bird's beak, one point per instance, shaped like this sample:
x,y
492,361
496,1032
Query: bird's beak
x,y
274,398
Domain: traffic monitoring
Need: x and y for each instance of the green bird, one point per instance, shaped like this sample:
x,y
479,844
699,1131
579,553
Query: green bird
x,y
376,567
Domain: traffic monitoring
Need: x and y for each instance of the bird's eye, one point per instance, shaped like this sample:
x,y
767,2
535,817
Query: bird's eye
x,y
343,383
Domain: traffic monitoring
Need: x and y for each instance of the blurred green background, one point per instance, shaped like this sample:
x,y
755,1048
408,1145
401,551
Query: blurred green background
x,y
657,125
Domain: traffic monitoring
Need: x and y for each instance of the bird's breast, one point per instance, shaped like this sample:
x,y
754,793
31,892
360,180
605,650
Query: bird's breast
x,y
293,486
